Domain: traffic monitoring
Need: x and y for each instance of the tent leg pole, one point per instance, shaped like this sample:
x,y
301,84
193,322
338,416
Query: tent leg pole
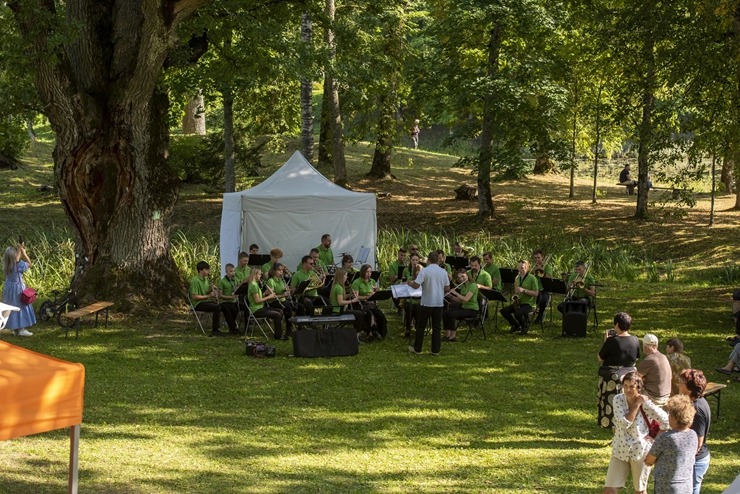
x,y
74,447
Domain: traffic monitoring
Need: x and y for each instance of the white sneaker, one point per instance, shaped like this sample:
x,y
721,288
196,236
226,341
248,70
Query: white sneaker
x,y
24,332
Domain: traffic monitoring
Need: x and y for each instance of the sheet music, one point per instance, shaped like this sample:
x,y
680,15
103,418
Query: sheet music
x,y
363,255
405,291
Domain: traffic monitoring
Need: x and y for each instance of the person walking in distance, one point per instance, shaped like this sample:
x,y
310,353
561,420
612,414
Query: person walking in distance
x,y
434,283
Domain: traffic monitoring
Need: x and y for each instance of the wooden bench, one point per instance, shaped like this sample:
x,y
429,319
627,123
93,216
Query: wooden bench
x,y
714,390
674,191
76,314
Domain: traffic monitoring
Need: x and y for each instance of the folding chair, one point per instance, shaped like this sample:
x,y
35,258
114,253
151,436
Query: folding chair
x,y
479,320
250,320
192,311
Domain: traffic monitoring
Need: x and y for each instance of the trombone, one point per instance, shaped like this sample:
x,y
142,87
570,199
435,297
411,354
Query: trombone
x,y
540,272
579,282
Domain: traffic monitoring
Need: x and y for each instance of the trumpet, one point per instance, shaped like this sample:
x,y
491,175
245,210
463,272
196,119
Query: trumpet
x,y
540,272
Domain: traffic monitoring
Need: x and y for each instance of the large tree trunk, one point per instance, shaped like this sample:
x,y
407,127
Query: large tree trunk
x,y
99,93
597,143
726,175
194,120
485,198
337,128
229,168
306,94
645,130
381,167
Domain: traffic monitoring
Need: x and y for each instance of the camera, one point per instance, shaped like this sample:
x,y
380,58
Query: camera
x,y
259,349
612,333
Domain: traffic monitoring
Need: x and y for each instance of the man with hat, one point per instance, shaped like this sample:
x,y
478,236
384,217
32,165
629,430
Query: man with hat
x,y
656,371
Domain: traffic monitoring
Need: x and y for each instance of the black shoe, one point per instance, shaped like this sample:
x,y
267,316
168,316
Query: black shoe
x,y
723,371
525,330
217,332
514,329
407,334
452,340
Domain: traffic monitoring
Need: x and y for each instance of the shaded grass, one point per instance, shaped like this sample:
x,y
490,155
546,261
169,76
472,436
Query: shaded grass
x,y
168,410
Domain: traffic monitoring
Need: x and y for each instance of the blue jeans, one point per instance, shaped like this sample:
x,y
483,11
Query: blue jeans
x,y
700,468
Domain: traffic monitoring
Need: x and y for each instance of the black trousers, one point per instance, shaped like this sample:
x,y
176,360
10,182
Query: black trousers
x,y
450,317
410,314
276,316
517,316
230,311
425,313
288,310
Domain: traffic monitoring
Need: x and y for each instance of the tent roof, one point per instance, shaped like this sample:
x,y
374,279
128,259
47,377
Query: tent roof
x,y
298,178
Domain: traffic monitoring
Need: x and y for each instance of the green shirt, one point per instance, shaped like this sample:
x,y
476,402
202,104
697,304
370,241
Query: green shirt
x,y
407,274
277,285
241,274
254,288
326,255
495,272
483,278
336,290
362,287
199,286
300,276
473,302
578,292
530,282
267,266
393,268
228,286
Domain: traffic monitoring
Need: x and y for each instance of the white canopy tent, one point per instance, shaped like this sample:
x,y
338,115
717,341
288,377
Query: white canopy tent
x,y
291,210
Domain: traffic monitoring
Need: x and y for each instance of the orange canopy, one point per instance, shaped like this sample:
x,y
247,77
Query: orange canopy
x,y
38,393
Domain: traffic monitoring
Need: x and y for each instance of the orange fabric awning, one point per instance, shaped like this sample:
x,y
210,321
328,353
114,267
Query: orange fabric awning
x,y
38,393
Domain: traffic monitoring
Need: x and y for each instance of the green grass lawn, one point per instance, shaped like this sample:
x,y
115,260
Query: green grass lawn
x,y
168,410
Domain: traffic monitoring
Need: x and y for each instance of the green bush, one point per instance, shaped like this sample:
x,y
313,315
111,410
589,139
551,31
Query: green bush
x,y
13,137
197,159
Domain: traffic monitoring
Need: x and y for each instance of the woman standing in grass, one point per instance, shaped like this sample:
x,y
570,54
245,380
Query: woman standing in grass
x,y
692,383
673,452
618,356
631,443
15,263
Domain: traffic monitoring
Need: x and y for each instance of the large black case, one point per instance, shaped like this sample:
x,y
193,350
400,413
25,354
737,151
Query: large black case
x,y
575,323
339,342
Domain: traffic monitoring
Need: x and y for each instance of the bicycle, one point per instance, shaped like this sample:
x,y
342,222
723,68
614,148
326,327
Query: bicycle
x,y
62,302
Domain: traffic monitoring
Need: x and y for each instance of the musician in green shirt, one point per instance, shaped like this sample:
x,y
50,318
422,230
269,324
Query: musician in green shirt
x,y
541,268
205,297
310,298
325,253
275,256
526,289
575,292
241,273
464,305
493,270
393,269
476,275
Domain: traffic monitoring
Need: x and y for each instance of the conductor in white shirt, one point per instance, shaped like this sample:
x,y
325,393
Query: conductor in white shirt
x,y
434,283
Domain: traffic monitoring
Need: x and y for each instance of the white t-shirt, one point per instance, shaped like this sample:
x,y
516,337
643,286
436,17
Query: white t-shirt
x,y
433,281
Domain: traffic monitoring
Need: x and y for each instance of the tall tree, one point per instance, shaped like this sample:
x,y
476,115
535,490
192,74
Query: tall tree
x,y
337,127
306,89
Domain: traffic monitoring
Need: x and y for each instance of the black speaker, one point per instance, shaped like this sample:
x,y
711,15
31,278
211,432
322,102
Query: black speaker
x,y
575,324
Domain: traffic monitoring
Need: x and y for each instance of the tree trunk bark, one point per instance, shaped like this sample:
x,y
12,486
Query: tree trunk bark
x,y
337,128
645,129
229,169
194,120
306,94
485,197
574,135
99,93
726,174
325,132
597,143
381,167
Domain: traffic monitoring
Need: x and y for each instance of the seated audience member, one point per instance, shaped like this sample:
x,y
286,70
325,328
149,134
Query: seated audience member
x,y
678,360
655,370
341,301
204,296
732,340
376,325
626,179
463,305
672,453
256,301
733,365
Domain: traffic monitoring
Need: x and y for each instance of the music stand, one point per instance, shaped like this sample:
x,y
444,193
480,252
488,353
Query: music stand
x,y
554,285
301,288
379,295
508,275
399,272
375,275
493,296
457,262
257,260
